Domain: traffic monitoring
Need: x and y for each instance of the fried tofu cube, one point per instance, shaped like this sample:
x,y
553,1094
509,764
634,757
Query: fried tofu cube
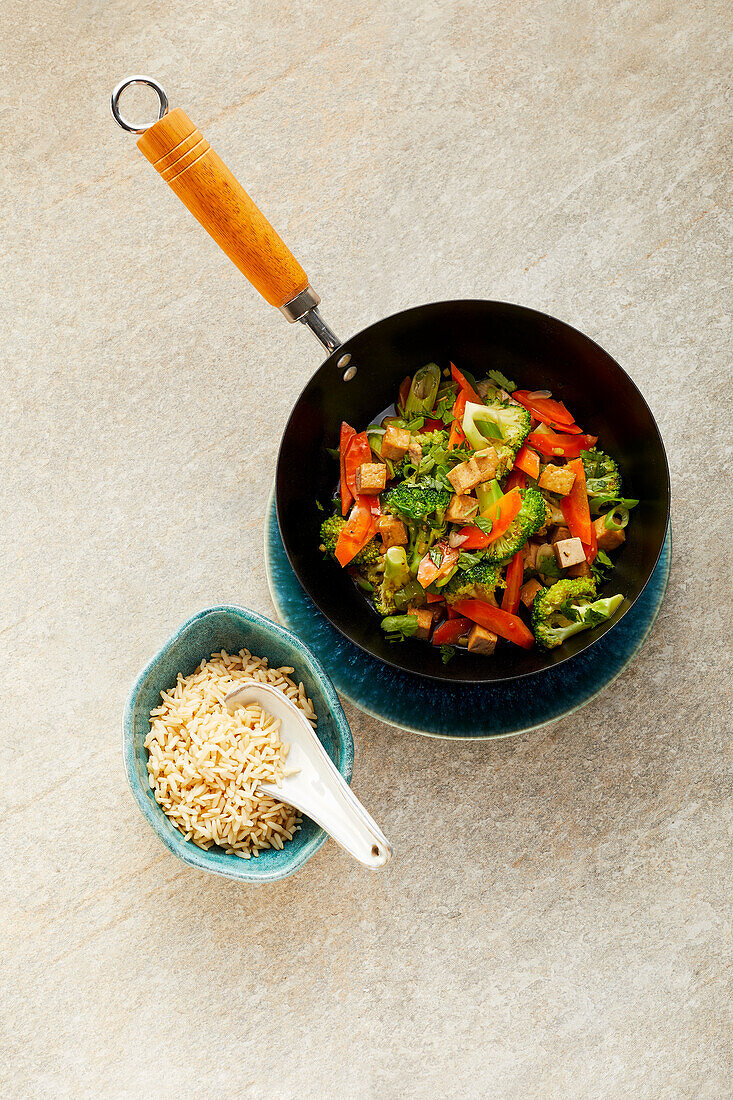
x,y
464,477
569,552
608,539
392,530
559,534
557,479
582,569
487,462
481,641
395,442
424,618
461,509
371,478
528,592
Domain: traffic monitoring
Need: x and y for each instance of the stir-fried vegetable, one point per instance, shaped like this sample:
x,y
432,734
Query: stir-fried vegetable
x,y
547,411
528,461
500,420
356,533
495,512
497,621
423,391
514,578
552,445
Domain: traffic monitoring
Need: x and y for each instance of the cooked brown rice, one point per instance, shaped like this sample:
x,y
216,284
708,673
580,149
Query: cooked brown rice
x,y
204,764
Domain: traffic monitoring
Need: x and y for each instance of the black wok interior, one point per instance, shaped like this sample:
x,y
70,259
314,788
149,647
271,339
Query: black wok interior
x,y
536,351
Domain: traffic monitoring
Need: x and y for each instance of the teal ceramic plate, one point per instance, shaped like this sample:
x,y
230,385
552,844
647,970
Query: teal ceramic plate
x,y
232,628
464,711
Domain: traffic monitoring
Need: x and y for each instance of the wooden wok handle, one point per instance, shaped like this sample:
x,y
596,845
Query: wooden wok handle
x,y
203,183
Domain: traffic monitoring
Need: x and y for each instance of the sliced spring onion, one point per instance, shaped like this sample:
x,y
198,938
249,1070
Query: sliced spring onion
x,y
423,391
488,494
623,518
601,500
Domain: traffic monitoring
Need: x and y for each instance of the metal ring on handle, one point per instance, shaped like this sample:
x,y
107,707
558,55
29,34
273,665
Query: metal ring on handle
x,y
149,83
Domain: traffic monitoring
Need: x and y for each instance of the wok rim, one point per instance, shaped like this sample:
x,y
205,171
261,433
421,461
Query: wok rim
x,y
594,636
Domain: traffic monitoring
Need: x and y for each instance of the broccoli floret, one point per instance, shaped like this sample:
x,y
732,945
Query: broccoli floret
x,y
331,528
567,608
528,521
478,582
369,555
512,421
602,475
395,575
413,501
431,439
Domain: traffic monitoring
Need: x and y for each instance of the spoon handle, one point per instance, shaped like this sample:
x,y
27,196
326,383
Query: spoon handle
x,y
316,787
327,799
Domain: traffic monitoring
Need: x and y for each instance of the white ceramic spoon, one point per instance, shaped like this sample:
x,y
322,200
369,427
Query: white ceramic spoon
x,y
317,789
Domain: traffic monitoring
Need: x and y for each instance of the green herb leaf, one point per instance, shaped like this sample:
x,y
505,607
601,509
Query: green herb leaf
x,y
467,561
488,429
502,380
483,524
470,378
399,627
447,653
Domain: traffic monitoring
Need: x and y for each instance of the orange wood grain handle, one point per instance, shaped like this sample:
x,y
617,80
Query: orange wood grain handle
x,y
203,183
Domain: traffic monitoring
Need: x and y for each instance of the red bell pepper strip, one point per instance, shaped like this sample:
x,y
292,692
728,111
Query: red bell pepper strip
x,y
473,539
375,506
347,497
500,622
456,437
465,385
451,631
517,480
432,425
574,506
355,534
404,391
591,550
434,598
528,461
501,514
552,413
359,452
428,571
563,446
514,578
451,613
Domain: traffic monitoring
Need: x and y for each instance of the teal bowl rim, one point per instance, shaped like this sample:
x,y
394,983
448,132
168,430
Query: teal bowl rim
x,y
187,852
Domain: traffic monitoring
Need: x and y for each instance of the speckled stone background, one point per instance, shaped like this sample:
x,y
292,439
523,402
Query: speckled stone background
x,y
556,921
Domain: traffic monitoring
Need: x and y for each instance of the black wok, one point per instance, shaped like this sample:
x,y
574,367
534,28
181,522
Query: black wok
x,y
360,378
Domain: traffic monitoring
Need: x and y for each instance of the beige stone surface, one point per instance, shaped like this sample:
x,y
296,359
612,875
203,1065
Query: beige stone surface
x,y
556,921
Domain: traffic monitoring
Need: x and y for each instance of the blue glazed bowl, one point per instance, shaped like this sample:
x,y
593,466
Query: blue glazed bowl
x,y
232,628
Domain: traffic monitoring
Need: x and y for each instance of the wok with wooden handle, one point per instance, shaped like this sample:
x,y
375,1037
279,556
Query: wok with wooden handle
x,y
360,378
